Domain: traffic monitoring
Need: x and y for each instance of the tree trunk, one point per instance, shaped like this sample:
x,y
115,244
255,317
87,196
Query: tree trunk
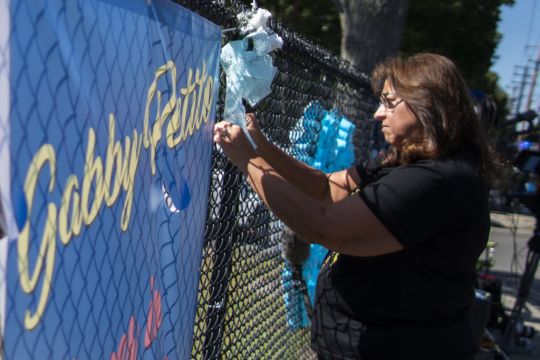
x,y
372,30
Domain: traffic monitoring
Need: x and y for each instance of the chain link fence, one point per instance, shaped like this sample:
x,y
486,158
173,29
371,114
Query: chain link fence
x,y
240,310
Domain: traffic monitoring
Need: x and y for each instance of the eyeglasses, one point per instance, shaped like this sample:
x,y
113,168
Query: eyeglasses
x,y
387,104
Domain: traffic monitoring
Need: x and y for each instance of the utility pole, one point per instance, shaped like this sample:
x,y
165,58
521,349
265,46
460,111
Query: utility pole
x,y
533,81
522,89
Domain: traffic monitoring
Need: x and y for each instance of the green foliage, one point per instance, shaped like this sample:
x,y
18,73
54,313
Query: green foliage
x,y
463,30
499,95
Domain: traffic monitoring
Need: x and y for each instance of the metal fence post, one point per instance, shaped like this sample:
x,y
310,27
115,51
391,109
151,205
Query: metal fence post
x,y
216,308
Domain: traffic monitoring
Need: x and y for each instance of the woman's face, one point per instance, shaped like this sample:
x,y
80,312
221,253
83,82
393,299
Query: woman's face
x,y
397,120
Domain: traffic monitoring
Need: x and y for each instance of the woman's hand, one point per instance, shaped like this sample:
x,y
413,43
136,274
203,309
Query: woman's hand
x,y
234,143
254,130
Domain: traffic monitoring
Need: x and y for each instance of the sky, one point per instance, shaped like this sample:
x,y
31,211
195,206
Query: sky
x,y
520,46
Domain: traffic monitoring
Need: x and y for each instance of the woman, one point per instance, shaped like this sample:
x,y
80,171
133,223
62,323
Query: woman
x,y
399,281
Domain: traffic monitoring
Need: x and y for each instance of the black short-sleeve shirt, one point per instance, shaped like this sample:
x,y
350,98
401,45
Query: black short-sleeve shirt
x,y
412,304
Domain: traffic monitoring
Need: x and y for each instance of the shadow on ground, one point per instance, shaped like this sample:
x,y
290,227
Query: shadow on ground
x,y
530,314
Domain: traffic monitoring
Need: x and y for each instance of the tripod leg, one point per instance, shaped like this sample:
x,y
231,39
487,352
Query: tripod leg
x,y
527,280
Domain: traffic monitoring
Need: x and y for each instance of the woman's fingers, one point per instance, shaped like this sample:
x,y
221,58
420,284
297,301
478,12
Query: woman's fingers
x,y
250,119
234,143
254,129
221,126
221,130
251,122
225,131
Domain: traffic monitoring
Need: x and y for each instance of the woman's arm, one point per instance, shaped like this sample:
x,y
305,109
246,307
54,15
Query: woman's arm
x,y
347,226
325,187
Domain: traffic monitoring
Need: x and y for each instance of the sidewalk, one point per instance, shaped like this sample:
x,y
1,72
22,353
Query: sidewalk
x,y
522,223
511,233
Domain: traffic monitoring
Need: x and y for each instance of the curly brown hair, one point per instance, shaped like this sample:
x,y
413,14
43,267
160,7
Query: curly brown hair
x,y
435,91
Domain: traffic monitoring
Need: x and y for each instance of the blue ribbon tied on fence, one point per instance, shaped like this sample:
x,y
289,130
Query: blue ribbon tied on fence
x,y
323,140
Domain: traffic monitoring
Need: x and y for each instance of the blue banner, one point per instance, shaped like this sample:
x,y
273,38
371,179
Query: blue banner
x,y
112,105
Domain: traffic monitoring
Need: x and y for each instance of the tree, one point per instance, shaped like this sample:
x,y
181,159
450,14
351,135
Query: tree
x,y
352,27
466,32
463,30
371,30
